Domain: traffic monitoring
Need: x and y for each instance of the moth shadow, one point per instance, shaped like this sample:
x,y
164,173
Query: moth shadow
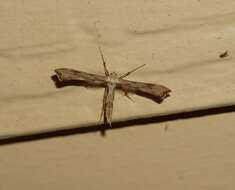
x,y
91,128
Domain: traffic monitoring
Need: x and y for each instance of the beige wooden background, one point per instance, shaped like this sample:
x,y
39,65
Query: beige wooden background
x,y
50,137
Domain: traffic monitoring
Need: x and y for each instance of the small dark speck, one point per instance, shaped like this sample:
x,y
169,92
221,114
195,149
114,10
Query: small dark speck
x,y
166,127
224,54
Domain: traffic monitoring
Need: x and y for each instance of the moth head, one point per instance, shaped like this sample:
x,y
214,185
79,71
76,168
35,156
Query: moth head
x,y
113,74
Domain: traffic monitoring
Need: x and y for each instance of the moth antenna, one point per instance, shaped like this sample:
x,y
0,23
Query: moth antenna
x,y
128,73
104,63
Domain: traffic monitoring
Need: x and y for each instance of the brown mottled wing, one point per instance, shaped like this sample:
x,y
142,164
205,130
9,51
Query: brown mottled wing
x,y
108,102
104,99
65,74
148,90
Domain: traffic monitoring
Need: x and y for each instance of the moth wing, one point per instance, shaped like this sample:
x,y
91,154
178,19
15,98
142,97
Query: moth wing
x,y
65,74
154,92
104,100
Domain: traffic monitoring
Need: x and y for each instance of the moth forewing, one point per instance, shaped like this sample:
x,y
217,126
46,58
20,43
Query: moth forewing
x,y
148,90
65,74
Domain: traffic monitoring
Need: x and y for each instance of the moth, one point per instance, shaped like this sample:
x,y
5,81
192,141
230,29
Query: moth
x,y
111,82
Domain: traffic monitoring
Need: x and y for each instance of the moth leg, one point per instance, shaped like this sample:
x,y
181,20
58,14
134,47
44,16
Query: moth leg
x,y
104,63
102,113
127,95
128,73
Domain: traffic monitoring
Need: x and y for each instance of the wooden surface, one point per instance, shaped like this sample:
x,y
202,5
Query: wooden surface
x,y
51,137
191,154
